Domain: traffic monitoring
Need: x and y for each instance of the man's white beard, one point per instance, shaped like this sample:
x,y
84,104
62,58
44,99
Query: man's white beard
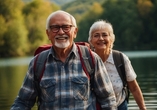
x,y
63,44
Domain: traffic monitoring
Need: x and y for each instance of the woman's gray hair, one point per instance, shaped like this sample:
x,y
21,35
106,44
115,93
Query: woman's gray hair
x,y
73,20
101,24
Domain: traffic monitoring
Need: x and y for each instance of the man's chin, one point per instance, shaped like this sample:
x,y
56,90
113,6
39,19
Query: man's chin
x,y
62,45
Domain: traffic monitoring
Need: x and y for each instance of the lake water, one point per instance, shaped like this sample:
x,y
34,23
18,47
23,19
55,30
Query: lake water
x,y
12,72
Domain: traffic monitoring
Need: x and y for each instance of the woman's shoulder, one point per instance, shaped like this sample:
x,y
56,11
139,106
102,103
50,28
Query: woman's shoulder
x,y
125,57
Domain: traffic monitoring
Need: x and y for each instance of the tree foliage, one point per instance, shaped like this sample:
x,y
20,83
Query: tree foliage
x,y
79,7
36,13
86,21
14,33
22,24
134,23
125,20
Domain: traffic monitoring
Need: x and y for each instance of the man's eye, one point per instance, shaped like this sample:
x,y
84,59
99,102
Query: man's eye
x,y
55,26
65,26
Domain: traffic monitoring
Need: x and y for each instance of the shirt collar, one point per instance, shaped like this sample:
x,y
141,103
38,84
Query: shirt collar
x,y
110,58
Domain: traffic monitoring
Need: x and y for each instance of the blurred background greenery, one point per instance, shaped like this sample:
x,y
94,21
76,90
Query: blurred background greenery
x,y
22,23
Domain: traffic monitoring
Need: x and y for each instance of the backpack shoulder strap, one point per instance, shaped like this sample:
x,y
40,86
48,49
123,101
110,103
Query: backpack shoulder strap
x,y
39,67
39,64
88,66
87,61
119,63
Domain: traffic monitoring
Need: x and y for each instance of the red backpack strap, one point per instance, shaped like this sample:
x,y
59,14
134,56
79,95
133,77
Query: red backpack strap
x,y
87,64
82,62
93,63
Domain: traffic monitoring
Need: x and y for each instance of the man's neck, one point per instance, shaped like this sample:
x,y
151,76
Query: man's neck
x,y
62,53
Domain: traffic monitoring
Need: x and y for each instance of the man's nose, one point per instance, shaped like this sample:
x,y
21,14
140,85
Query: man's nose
x,y
61,31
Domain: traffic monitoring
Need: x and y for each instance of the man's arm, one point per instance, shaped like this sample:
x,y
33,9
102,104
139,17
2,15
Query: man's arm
x,y
103,86
27,94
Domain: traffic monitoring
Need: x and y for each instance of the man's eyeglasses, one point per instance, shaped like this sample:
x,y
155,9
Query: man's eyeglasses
x,y
56,28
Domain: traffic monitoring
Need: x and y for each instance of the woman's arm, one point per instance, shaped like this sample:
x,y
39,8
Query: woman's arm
x,y
137,94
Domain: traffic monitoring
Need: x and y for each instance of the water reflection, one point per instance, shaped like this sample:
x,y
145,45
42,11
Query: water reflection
x,y
12,72
141,54
145,68
15,61
11,78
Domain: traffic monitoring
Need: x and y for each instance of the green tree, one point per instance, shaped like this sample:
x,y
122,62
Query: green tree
x,y
14,34
79,7
147,10
134,23
87,20
3,29
36,13
124,17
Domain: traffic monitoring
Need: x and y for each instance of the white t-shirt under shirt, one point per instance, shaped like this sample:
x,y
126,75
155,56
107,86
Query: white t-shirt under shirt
x,y
115,78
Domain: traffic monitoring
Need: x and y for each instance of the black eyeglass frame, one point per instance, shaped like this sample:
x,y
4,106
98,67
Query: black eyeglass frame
x,y
56,28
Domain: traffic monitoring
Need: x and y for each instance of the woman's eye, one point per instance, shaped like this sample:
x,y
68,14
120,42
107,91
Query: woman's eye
x,y
104,35
96,36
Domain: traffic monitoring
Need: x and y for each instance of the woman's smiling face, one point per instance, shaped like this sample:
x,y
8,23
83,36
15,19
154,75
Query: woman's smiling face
x,y
101,39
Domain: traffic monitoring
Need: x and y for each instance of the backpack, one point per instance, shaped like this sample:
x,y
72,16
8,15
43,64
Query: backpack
x,y
88,66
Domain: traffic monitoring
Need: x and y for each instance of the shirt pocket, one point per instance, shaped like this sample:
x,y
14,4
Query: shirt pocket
x,y
80,88
48,90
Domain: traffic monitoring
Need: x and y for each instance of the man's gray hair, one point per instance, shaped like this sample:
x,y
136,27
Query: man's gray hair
x,y
73,20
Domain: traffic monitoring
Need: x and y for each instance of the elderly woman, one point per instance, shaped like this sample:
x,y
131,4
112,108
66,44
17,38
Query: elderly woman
x,y
101,38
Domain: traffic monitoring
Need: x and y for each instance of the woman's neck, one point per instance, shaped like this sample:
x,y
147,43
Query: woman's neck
x,y
104,54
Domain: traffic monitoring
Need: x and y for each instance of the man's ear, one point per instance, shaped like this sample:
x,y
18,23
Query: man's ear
x,y
75,32
47,32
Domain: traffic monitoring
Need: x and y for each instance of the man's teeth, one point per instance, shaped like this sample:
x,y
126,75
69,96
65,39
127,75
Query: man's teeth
x,y
62,38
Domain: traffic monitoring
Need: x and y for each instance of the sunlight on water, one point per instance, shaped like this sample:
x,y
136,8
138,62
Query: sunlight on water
x,y
15,61
140,54
150,100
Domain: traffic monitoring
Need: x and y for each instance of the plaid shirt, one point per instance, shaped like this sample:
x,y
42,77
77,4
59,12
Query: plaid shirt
x,y
65,86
